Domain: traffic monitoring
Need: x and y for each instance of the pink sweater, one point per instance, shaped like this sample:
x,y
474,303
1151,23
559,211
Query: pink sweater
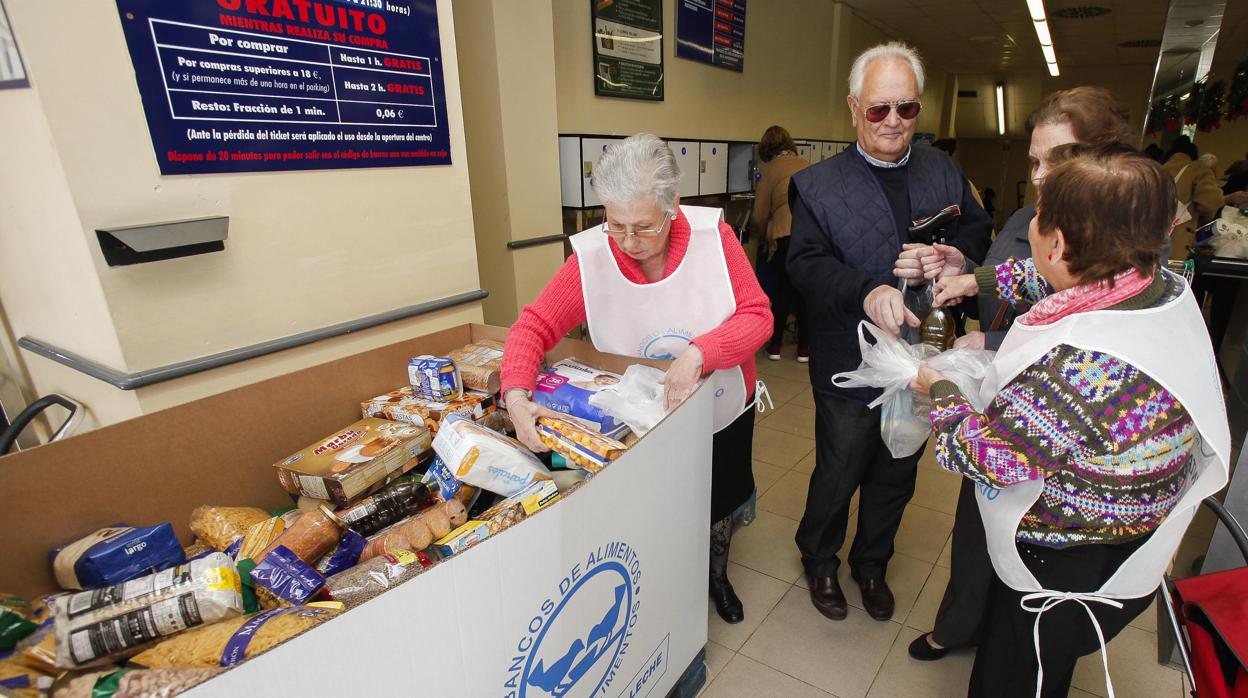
x,y
561,307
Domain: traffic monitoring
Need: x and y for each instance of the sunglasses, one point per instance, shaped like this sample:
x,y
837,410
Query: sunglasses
x,y
907,109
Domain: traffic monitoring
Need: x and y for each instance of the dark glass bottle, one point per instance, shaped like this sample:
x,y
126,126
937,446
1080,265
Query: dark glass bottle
x,y
377,511
937,330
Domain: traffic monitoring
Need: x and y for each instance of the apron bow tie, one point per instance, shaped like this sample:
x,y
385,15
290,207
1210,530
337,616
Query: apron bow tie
x,y
1049,599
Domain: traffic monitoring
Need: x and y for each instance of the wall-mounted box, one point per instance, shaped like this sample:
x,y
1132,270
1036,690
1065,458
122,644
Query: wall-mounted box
x,y
713,169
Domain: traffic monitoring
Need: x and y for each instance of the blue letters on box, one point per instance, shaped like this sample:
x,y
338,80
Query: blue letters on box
x,y
129,554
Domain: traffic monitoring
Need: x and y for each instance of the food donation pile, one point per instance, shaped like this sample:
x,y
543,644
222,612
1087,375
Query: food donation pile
x,y
429,471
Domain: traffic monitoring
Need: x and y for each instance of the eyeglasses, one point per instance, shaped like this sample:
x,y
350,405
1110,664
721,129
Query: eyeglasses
x,y
618,234
907,109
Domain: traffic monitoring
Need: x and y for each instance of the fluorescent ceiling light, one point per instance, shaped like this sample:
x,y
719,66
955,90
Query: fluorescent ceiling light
x,y
1001,110
1185,96
1053,70
1050,56
1042,32
1036,7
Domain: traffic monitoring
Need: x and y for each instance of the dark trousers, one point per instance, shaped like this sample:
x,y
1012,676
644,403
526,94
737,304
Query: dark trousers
x,y
960,620
786,300
1222,294
1005,664
850,455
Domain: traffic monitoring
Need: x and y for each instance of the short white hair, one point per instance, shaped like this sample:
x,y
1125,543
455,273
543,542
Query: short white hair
x,y
637,167
893,50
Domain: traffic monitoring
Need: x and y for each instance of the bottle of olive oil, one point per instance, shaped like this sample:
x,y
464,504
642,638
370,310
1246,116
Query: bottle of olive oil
x,y
937,329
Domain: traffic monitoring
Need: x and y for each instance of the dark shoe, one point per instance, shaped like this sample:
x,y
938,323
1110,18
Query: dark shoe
x,y
827,597
921,650
727,605
877,598
803,355
773,352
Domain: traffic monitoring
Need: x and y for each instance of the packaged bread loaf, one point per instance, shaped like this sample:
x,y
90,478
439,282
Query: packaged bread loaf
x,y
580,445
93,627
484,458
480,365
409,534
368,579
220,527
230,642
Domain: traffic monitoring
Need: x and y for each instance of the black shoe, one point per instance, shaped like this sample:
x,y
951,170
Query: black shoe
x,y
827,597
877,598
727,605
923,651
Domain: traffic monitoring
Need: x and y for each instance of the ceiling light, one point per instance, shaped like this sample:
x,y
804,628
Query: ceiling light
x,y
1050,56
1042,32
1053,70
1185,96
1036,7
1001,109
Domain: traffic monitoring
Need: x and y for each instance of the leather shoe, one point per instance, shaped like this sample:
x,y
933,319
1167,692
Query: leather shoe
x,y
827,597
877,598
727,605
921,650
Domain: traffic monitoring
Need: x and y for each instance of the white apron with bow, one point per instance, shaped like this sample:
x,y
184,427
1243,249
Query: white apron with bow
x,y
1171,345
658,320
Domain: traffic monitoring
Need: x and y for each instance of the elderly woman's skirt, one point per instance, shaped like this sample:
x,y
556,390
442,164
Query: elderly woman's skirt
x,y
732,474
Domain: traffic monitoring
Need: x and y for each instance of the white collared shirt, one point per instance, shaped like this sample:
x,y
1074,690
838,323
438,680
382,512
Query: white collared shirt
x,y
875,162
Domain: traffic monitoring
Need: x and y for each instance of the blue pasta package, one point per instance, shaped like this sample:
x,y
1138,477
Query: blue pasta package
x,y
283,575
344,556
116,554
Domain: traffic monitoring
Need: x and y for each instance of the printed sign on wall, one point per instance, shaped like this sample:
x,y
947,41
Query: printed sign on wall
x,y
264,85
712,31
628,48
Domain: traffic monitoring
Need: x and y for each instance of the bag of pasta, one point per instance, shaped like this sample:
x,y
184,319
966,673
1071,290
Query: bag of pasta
x,y
230,642
221,527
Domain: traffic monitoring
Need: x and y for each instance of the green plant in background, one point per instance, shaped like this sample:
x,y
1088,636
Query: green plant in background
x,y
1237,98
1212,107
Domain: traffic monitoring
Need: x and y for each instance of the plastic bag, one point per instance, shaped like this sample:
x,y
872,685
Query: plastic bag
x,y
637,400
892,365
1230,234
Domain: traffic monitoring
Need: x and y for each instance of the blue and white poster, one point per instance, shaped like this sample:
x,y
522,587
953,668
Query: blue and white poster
x,y
712,31
275,85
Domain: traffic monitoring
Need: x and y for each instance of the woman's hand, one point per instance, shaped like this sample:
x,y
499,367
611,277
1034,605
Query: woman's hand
x,y
950,290
524,413
971,340
922,384
682,377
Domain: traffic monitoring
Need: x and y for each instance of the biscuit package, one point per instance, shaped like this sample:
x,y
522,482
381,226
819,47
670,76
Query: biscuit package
x,y
403,405
581,447
480,365
482,457
567,387
350,462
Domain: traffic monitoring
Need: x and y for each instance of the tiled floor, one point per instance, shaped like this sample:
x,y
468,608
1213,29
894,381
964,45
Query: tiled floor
x,y
785,648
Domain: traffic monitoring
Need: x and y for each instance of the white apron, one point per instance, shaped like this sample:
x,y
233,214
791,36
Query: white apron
x,y
658,320
1171,345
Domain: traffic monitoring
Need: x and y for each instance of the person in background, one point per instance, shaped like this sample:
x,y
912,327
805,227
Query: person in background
x,y
709,293
1211,161
850,243
1092,115
1235,190
1198,192
1093,460
780,161
1154,152
990,201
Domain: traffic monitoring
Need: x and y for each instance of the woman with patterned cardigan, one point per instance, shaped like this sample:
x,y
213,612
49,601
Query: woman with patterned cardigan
x,y
1104,432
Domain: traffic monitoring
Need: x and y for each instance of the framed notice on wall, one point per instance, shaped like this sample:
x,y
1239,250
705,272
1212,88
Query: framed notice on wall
x,y
12,71
712,31
243,86
628,48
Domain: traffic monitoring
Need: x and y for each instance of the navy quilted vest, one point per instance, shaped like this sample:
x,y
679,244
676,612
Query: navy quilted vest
x,y
849,205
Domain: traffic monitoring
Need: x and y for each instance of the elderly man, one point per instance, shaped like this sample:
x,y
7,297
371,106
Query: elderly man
x,y
851,221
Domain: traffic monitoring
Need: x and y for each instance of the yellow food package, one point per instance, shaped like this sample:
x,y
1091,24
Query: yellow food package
x,y
230,642
39,650
261,535
581,446
20,679
220,527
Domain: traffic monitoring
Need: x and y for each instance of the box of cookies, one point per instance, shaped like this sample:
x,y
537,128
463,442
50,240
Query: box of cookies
x,y
347,464
404,406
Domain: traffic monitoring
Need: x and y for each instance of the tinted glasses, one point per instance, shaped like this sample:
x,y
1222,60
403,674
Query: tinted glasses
x,y
906,110
618,234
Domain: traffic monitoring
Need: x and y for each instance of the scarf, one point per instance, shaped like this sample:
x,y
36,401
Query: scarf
x,y
1087,298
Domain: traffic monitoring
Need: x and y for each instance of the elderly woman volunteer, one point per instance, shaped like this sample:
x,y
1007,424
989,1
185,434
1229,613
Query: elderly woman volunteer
x,y
1096,445
654,265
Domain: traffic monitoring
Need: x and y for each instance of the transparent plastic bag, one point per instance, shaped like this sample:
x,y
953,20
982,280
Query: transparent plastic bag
x,y
637,400
892,365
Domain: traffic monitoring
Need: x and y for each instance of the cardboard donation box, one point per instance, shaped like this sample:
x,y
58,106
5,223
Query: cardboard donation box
x,y
602,593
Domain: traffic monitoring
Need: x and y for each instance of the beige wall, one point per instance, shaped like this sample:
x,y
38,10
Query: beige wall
x,y
998,163
306,249
513,152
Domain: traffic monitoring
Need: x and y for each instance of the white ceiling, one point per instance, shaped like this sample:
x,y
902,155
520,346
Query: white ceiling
x,y
996,36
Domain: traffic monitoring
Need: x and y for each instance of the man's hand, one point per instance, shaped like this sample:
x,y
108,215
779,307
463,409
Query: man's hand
x,y
950,290
918,264
524,413
682,377
971,340
887,309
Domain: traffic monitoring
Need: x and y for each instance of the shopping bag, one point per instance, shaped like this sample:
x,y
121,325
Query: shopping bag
x,y
1213,609
637,400
891,365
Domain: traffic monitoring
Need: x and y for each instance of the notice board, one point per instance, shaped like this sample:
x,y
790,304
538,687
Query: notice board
x,y
712,31
275,85
628,48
